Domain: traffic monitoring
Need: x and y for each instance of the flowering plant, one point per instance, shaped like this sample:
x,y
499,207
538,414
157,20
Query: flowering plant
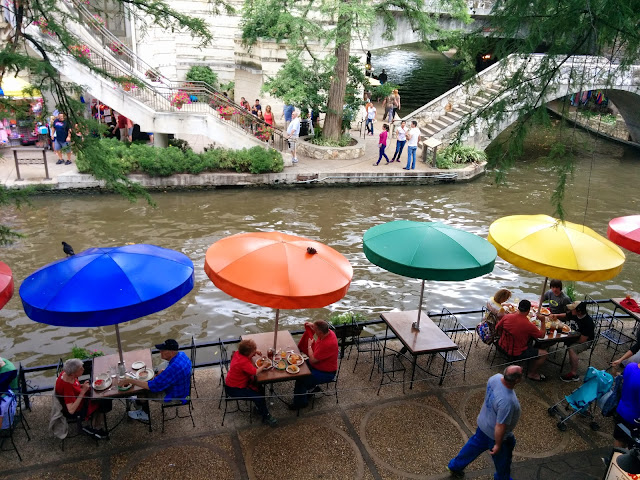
x,y
42,23
128,86
226,110
81,51
263,132
82,353
98,20
116,47
180,99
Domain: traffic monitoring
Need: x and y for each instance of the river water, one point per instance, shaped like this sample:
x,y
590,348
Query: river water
x,y
605,184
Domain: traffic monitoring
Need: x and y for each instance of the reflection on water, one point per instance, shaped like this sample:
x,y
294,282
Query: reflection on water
x,y
191,221
421,74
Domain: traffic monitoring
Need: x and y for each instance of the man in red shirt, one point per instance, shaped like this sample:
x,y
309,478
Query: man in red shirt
x,y
323,360
522,330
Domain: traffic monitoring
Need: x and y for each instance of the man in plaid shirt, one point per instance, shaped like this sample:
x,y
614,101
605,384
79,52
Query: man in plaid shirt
x,y
174,380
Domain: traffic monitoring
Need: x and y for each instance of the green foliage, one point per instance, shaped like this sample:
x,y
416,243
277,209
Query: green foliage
x,y
344,141
163,162
203,73
570,290
179,143
382,91
456,155
83,353
345,318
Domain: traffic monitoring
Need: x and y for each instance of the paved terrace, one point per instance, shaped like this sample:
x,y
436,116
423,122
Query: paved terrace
x,y
393,436
360,170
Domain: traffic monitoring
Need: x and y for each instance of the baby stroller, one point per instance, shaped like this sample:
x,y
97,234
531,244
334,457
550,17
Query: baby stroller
x,y
583,399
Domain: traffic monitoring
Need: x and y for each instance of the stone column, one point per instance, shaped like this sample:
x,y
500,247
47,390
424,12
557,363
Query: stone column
x,y
160,140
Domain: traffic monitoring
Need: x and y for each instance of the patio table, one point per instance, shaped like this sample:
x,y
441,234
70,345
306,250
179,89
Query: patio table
x,y
552,338
428,340
634,315
102,364
264,341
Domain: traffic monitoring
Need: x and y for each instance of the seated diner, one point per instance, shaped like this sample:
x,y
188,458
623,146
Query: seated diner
x,y
320,343
521,331
73,396
241,379
578,313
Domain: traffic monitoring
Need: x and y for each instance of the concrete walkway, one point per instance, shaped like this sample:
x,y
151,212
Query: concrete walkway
x,y
395,435
308,170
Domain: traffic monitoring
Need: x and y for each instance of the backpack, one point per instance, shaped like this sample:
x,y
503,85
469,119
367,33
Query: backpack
x,y
609,401
486,332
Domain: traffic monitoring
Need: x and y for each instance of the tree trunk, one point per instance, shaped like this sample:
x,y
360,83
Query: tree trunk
x,y
335,104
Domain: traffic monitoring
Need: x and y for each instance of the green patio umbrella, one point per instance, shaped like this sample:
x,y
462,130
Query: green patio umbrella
x,y
430,251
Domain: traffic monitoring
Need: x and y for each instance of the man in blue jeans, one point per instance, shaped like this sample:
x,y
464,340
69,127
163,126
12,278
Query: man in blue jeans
x,y
498,417
412,145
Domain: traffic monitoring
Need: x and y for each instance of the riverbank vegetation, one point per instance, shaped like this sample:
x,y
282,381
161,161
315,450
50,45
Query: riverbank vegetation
x,y
457,155
125,159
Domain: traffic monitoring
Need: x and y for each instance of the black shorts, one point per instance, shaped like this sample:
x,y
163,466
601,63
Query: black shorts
x,y
530,352
618,434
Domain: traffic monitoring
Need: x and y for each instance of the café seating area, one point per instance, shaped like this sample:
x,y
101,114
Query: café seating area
x,y
377,402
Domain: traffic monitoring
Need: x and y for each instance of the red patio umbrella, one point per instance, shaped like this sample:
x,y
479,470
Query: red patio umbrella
x,y
625,232
6,284
277,270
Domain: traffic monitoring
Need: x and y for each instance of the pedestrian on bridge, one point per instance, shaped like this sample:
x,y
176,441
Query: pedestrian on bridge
x,y
412,145
400,141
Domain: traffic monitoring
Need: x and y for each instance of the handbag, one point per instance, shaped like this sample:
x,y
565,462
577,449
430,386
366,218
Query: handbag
x,y
486,332
609,401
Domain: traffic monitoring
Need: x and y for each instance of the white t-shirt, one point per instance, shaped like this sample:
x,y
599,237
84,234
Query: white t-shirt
x,y
414,134
402,133
371,113
294,127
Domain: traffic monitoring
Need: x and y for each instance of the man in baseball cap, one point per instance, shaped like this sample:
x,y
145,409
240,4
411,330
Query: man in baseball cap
x,y
174,380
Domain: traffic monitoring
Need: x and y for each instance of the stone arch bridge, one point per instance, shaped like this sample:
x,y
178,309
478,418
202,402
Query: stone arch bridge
x,y
443,117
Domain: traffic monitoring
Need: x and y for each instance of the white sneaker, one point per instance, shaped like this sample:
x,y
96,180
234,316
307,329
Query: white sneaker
x,y
295,160
139,415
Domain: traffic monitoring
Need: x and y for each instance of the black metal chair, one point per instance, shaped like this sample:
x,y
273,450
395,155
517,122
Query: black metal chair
x,y
178,405
16,418
387,363
194,351
461,336
363,346
612,331
593,307
503,345
224,369
72,419
328,385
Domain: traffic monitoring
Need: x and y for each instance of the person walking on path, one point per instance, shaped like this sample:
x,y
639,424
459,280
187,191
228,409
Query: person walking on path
x,y
382,144
371,116
293,132
498,417
412,145
401,139
62,138
287,113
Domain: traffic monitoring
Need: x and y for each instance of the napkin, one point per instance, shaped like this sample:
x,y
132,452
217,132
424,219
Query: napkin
x,y
630,304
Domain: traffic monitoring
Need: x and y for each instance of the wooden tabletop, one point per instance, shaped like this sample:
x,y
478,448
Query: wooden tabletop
x,y
551,339
102,364
429,339
634,315
264,341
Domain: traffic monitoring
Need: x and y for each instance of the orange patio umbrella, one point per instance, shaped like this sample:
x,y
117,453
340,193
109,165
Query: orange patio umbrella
x,y
278,270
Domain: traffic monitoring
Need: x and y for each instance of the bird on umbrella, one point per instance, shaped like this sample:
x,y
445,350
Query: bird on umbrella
x,y
68,249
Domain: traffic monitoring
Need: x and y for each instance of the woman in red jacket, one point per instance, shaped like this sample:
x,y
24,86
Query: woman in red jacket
x,y
323,360
241,378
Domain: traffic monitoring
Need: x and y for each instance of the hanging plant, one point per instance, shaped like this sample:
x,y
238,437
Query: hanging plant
x,y
42,23
179,99
81,51
98,20
116,47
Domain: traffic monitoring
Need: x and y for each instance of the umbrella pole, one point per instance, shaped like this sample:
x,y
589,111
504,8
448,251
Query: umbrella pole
x,y
544,289
416,325
121,367
275,333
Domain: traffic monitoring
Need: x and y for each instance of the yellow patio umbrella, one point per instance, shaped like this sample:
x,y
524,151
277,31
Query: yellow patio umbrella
x,y
544,245
13,86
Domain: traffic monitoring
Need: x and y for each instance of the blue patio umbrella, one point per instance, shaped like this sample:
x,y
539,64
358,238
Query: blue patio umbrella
x,y
107,286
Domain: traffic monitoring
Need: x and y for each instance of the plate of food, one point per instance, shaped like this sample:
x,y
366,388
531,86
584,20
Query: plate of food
x,y
509,307
125,387
545,311
281,365
264,362
102,382
293,369
145,374
566,329
137,365
295,359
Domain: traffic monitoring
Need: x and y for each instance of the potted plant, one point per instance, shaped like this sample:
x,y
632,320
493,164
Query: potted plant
x,y
226,111
263,132
81,51
346,327
179,99
116,47
85,355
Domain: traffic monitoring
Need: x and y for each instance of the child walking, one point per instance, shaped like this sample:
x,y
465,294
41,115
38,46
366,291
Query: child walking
x,y
382,143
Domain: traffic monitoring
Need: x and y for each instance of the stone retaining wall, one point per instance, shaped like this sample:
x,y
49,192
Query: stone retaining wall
x,y
319,152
